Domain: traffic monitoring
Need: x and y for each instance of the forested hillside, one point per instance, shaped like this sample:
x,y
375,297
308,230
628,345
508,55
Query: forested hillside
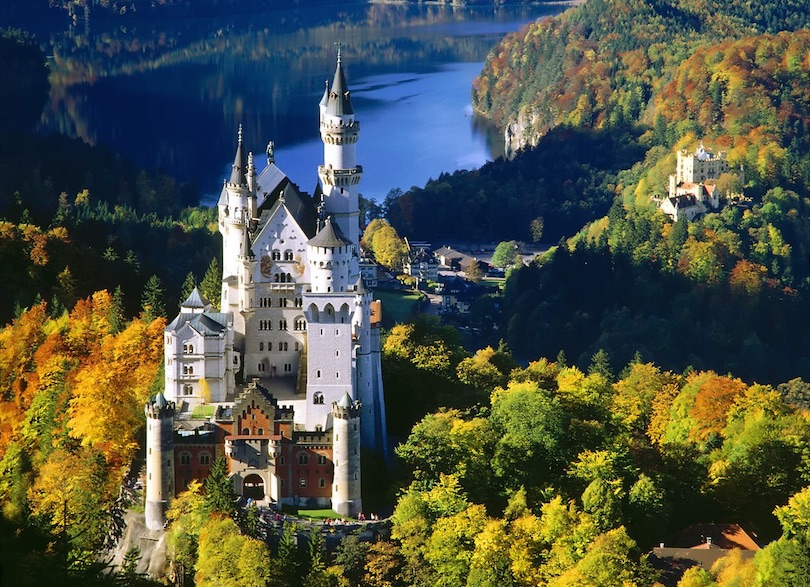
x,y
600,64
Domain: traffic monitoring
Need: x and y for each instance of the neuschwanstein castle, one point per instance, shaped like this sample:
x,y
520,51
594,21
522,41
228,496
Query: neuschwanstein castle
x,y
285,379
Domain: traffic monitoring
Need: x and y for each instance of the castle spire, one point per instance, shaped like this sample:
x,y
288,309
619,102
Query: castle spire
x,y
238,176
339,103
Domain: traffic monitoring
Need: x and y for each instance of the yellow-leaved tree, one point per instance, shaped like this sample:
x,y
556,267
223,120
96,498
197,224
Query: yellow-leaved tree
x,y
112,386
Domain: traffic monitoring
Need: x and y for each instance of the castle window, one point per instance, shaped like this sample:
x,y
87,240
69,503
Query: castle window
x,y
318,373
318,397
288,255
261,346
337,353
188,389
269,346
289,278
281,482
283,346
321,459
282,325
303,482
205,458
276,255
337,374
303,459
185,458
188,349
296,346
275,278
260,431
299,302
281,461
288,367
261,367
318,428
300,324
321,482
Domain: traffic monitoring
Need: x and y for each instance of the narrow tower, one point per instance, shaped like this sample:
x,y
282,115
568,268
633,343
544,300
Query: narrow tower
x,y
346,457
340,174
159,460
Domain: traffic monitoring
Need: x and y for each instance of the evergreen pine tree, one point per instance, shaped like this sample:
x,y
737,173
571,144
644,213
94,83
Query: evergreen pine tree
x,y
600,363
152,304
188,286
220,495
211,285
117,311
289,558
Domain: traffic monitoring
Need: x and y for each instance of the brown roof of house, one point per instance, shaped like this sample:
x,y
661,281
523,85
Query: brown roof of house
x,y
726,536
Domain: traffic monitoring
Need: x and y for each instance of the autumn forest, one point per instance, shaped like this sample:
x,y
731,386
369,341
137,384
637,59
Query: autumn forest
x,y
640,376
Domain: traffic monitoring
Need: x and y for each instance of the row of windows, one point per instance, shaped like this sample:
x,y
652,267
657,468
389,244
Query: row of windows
x,y
262,367
282,346
188,349
275,255
268,324
246,431
303,459
282,278
188,369
282,302
203,457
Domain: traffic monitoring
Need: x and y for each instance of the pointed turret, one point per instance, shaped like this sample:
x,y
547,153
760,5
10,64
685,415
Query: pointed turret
x,y
340,174
195,303
339,103
239,169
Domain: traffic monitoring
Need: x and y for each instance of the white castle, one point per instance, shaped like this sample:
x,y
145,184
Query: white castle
x,y
297,327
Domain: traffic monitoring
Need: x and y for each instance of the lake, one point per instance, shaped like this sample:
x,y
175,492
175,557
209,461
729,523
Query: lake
x,y
171,93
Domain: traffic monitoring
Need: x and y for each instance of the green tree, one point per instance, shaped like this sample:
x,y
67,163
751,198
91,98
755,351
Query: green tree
x,y
220,496
211,285
472,269
188,286
536,227
152,300
505,254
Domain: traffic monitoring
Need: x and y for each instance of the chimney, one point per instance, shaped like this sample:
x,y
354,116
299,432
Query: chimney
x,y
709,540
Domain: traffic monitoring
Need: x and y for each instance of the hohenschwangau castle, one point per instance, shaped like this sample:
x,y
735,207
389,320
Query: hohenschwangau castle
x,y
285,379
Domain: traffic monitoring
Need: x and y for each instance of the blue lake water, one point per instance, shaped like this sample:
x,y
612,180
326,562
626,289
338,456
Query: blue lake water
x,y
172,93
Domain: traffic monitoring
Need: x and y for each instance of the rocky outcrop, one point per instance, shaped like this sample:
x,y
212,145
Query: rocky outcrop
x,y
154,560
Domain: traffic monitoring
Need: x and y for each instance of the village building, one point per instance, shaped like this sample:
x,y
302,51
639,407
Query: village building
x,y
284,380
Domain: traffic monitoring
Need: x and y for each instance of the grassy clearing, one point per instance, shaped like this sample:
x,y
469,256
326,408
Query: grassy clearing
x,y
313,514
202,412
398,306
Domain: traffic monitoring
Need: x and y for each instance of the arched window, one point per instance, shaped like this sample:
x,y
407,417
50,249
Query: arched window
x,y
288,255
276,255
188,389
260,431
289,278
261,346
205,458
185,458
318,397
303,459
245,431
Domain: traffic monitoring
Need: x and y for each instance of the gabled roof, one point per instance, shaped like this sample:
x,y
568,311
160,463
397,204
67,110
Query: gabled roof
x,y
298,204
725,536
206,323
329,236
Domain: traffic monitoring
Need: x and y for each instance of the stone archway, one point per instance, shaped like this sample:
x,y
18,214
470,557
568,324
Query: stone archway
x,y
253,487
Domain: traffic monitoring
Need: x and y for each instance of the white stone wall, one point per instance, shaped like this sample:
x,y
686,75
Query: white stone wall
x,y
346,497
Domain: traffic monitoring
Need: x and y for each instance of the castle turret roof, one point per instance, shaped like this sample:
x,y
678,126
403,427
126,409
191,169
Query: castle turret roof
x,y
346,401
339,103
195,300
160,400
239,164
329,236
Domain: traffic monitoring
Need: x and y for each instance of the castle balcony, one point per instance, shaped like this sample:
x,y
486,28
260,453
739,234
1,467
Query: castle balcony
x,y
339,177
353,126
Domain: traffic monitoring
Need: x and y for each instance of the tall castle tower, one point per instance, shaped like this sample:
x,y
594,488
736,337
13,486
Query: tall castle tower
x,y
159,460
346,457
340,174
